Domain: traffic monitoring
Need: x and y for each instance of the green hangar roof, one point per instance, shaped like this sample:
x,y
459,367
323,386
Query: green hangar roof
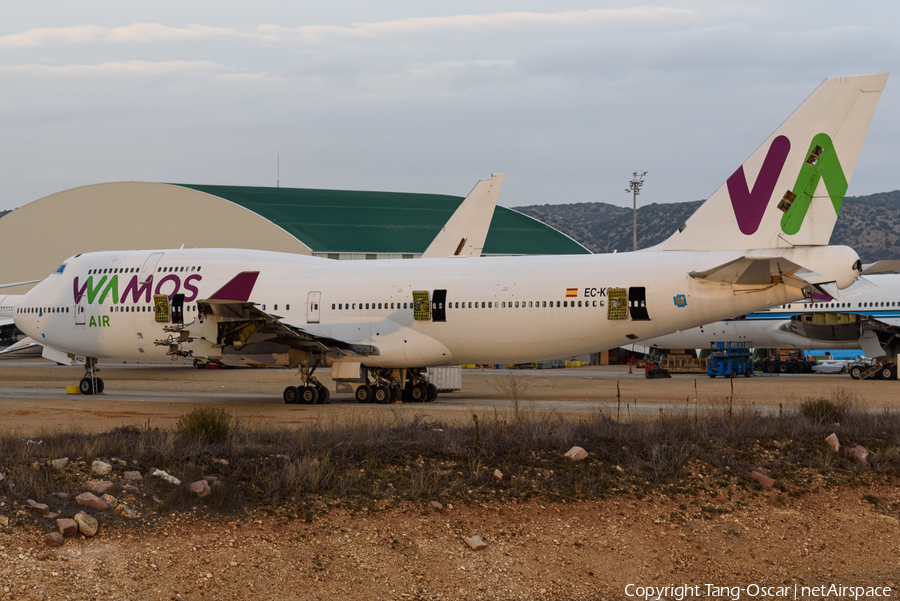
x,y
336,221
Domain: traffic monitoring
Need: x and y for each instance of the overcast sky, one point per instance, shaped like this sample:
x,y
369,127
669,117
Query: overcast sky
x,y
566,97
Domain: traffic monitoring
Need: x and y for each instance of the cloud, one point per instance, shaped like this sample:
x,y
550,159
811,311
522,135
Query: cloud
x,y
92,34
511,21
119,68
44,36
472,23
154,32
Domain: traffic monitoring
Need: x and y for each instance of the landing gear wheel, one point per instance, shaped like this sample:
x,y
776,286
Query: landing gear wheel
x,y
396,393
381,395
364,394
771,367
759,366
796,367
291,395
309,395
100,386
887,373
88,387
782,368
432,392
324,395
418,393
855,372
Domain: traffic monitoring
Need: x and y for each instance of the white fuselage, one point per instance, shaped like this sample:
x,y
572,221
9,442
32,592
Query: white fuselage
x,y
769,328
497,310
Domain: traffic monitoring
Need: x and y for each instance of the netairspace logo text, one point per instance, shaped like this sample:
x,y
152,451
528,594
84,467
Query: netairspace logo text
x,y
756,591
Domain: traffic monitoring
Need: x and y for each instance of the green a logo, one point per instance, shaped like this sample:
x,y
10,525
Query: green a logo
x,y
821,164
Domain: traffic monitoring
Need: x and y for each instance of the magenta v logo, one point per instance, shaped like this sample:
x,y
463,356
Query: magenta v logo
x,y
750,205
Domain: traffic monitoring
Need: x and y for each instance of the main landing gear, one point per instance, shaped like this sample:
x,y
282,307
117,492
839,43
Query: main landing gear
x,y
386,387
312,392
90,383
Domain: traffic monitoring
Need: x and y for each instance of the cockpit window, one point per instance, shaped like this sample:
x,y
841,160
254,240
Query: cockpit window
x,y
60,269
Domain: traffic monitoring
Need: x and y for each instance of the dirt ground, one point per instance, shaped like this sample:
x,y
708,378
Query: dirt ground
x,y
734,537
586,550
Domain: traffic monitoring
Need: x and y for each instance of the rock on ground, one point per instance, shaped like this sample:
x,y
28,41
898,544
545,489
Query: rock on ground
x,y
200,488
100,486
59,464
38,507
67,527
126,512
101,468
576,454
91,500
476,543
54,539
832,441
87,525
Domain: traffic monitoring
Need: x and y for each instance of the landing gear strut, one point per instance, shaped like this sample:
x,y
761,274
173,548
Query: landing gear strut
x,y
313,391
90,383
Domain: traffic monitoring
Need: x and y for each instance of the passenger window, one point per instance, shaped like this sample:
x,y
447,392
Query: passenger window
x,y
288,307
275,308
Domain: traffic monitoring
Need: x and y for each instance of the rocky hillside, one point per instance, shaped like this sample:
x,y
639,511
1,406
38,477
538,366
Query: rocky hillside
x,y
869,224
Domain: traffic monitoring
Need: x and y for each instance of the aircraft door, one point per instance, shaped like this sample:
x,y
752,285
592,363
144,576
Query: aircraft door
x,y
149,266
637,303
438,305
312,307
79,312
178,308
618,303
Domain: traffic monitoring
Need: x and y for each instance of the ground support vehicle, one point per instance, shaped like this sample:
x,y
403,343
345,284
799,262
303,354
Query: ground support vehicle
x,y
729,359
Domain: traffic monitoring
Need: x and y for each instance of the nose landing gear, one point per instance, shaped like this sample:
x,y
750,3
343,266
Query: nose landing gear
x,y
90,383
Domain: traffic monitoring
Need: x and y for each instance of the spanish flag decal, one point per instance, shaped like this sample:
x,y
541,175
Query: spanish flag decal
x,y
571,291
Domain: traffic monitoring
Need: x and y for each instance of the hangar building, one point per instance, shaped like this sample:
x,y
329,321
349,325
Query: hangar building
x,y
336,224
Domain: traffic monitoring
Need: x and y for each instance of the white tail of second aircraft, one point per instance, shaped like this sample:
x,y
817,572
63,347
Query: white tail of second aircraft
x,y
790,191
465,233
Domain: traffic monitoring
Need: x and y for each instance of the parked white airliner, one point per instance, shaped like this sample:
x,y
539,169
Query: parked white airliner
x,y
758,241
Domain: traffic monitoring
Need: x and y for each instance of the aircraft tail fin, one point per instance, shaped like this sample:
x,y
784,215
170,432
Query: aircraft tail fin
x,y
790,191
465,232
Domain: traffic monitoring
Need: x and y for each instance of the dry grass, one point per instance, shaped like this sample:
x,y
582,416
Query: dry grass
x,y
362,461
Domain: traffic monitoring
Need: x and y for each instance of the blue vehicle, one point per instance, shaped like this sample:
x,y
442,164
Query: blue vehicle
x,y
729,359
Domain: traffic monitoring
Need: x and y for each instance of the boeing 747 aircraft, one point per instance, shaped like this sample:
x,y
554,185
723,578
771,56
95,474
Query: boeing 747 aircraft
x,y
759,241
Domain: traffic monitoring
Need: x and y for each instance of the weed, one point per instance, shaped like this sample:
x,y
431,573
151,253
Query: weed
x,y
207,424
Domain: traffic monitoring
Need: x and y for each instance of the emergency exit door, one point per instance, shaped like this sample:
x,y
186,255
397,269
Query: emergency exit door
x,y
312,307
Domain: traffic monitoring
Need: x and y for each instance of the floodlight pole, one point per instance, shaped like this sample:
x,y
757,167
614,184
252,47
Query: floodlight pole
x,y
634,186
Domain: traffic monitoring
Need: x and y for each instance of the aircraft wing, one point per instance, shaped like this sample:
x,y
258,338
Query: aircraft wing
x,y
25,343
242,323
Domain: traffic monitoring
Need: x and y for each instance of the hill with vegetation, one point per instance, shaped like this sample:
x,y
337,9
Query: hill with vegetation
x,y
868,224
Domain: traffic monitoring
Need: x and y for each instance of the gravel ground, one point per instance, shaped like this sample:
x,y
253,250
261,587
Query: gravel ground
x,y
584,550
